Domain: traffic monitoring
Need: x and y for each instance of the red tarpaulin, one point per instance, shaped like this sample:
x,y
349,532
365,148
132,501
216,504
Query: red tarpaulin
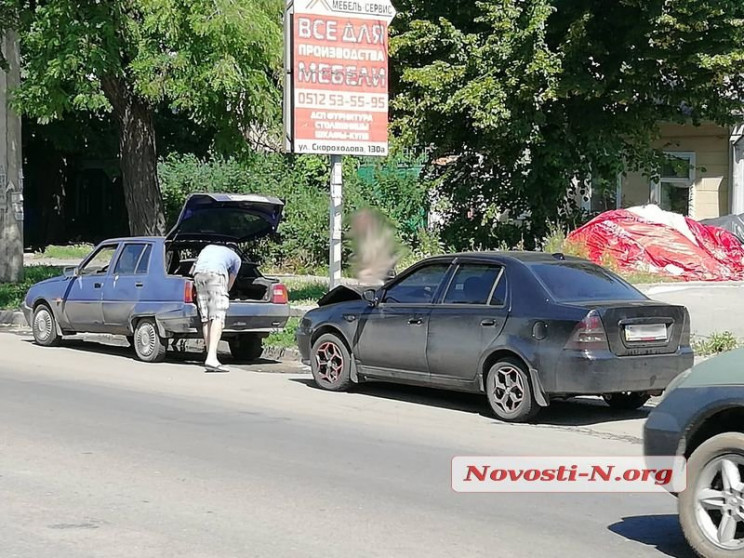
x,y
650,239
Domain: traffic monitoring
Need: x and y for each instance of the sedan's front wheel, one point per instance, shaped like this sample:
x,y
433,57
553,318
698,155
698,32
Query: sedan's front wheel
x,y
509,391
45,327
330,362
148,344
711,508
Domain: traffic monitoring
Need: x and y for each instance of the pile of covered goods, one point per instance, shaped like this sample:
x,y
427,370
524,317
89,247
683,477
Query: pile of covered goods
x,y
649,239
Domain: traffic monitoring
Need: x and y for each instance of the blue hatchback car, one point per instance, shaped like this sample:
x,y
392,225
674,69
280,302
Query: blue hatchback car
x,y
142,287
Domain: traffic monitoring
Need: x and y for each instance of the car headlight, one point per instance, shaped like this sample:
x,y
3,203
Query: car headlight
x,y
674,384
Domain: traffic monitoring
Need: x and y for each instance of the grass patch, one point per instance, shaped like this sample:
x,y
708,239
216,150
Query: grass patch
x,y
67,252
305,291
12,294
716,343
286,337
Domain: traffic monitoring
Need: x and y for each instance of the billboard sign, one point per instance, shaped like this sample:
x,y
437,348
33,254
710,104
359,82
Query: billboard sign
x,y
336,91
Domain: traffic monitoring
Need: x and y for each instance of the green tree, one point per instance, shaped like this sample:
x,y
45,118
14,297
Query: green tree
x,y
519,97
217,63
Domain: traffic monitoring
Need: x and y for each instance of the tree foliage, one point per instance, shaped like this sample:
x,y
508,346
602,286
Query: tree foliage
x,y
522,96
217,63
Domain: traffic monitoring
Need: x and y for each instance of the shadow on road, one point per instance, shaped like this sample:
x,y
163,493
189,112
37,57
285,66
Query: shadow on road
x,y
573,412
659,531
120,348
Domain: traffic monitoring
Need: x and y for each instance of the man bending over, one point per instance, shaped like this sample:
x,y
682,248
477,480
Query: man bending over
x,y
215,272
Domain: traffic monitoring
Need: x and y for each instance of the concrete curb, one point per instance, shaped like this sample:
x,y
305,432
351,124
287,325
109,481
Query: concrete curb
x,y
12,318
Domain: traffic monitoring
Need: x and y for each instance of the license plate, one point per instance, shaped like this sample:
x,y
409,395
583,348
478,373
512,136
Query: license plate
x,y
655,332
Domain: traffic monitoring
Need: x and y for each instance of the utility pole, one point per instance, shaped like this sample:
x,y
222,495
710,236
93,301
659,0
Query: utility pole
x,y
337,205
11,167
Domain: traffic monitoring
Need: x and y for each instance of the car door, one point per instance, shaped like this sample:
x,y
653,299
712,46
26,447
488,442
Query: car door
x,y
121,292
82,305
392,335
470,316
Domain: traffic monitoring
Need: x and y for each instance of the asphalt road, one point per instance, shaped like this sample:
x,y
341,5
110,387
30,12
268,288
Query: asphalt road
x,y
103,456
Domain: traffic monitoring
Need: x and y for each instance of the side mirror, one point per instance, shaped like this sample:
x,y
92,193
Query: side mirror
x,y
71,271
370,296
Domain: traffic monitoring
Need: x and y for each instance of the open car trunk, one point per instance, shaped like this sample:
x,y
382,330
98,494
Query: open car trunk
x,y
224,219
250,286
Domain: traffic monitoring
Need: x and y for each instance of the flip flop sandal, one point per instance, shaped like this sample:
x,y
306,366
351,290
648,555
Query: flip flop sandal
x,y
220,368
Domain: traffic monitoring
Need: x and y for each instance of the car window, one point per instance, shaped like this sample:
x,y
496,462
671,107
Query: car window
x,y
128,259
472,284
419,287
144,263
499,293
571,281
100,262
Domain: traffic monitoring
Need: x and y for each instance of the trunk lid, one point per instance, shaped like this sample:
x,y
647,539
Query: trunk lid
x,y
644,327
234,218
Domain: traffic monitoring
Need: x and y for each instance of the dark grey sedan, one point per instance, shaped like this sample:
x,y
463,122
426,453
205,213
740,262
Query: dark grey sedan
x,y
521,327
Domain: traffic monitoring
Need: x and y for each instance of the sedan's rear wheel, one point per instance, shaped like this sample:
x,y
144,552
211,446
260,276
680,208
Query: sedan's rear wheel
x,y
330,363
246,347
628,401
148,344
509,391
45,327
711,509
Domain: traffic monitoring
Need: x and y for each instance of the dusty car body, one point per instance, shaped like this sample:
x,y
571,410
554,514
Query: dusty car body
x,y
521,327
142,287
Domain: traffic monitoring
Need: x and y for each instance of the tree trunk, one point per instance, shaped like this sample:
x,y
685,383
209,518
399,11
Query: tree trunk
x,y
138,159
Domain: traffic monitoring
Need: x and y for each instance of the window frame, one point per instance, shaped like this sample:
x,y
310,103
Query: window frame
x,y
497,281
148,250
139,258
676,181
418,267
81,268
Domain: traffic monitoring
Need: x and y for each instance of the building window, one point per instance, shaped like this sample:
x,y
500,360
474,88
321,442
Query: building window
x,y
674,190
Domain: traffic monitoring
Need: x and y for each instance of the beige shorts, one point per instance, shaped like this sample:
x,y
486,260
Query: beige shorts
x,y
212,298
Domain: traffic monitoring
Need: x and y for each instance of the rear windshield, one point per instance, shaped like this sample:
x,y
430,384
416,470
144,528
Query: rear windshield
x,y
581,282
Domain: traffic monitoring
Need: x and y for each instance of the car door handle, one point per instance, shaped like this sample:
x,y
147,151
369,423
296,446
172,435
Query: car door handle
x,y
139,285
488,322
97,285
415,321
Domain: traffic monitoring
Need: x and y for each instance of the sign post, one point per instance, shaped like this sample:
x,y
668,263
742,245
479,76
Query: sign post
x,y
336,89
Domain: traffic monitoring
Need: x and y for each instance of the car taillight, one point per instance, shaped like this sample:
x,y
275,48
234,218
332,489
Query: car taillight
x,y
589,334
279,294
188,292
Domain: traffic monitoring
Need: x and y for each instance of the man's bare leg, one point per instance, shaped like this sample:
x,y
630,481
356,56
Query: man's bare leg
x,y
205,329
215,334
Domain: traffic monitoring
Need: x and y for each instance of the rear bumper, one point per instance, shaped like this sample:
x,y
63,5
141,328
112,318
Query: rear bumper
x,y
241,318
581,373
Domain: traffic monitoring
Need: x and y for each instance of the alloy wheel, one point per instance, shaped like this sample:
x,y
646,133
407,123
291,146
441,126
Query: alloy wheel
x,y
330,361
508,389
719,502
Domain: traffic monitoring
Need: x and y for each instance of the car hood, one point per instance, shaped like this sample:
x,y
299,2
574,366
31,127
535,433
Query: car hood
x,y
342,293
227,218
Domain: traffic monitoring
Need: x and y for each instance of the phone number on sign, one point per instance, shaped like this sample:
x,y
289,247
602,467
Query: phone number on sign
x,y
372,102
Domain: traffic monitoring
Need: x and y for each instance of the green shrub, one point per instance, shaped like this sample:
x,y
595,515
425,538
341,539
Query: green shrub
x,y
389,185
12,294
